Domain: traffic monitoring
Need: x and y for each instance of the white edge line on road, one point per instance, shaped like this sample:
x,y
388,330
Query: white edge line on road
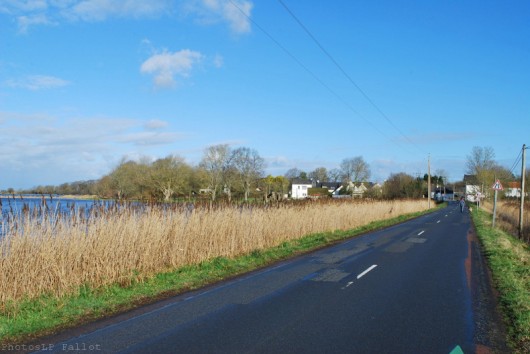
x,y
366,271
421,232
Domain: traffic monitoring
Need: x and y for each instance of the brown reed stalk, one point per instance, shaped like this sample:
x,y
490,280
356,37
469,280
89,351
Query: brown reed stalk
x,y
58,256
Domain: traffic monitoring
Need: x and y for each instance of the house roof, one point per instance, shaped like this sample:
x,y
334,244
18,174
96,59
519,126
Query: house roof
x,y
471,180
445,190
514,185
365,184
301,181
329,185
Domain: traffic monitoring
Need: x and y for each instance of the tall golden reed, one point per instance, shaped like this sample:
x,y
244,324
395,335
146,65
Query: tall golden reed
x,y
59,257
508,217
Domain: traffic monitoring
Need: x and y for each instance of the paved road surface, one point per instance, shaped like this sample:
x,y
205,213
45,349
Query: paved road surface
x,y
417,287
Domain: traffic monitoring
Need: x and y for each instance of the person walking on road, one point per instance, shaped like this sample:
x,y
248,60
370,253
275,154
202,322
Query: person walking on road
x,y
462,204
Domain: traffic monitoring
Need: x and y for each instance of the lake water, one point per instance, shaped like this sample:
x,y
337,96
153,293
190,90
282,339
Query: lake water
x,y
16,205
52,208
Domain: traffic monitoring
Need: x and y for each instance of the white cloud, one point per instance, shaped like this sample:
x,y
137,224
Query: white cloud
x,y
41,149
99,10
166,66
47,12
14,6
28,13
236,13
25,22
155,124
37,82
238,17
150,138
218,61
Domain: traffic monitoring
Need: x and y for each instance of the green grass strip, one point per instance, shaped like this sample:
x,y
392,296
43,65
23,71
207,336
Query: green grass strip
x,y
30,319
509,261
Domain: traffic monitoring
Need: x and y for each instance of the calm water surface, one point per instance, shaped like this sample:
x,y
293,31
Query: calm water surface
x,y
16,205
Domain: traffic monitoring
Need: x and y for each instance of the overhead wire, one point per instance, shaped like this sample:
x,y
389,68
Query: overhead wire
x,y
348,77
517,160
293,57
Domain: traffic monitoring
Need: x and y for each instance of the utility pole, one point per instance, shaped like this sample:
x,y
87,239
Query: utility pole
x,y
523,168
429,181
494,202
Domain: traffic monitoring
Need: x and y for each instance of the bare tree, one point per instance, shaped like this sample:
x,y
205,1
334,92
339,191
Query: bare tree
x,y
355,169
481,159
319,174
293,173
215,163
481,163
334,175
249,167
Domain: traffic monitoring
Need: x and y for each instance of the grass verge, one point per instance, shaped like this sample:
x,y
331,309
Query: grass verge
x,y
30,319
509,261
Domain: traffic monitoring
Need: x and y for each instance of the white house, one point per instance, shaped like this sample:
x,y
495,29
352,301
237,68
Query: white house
x,y
472,188
513,190
299,188
357,189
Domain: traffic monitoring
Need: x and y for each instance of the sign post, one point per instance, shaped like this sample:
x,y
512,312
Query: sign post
x,y
497,186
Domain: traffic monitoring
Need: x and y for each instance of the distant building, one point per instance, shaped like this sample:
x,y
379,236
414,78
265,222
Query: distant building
x,y
299,188
513,190
472,189
357,189
444,194
332,187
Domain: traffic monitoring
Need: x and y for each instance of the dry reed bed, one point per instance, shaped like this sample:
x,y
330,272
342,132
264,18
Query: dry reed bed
x,y
508,217
58,258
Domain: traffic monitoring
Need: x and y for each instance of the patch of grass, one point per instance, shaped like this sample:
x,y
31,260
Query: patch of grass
x,y
47,314
509,261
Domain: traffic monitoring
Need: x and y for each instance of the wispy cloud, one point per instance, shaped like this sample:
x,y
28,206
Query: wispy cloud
x,y
25,22
38,145
218,61
150,138
29,13
155,124
166,66
236,13
37,82
99,10
436,137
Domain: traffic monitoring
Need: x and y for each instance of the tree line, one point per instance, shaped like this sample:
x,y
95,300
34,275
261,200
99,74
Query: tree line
x,y
222,172
225,172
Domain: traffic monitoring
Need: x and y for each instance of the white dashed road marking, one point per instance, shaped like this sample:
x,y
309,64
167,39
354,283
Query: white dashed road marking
x,y
366,271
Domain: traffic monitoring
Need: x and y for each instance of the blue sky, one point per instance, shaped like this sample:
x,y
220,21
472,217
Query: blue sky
x,y
84,83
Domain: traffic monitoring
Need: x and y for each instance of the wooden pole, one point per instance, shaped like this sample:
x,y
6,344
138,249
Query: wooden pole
x,y
523,168
429,181
494,208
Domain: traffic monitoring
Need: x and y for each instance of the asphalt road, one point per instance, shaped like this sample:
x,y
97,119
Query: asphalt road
x,y
417,287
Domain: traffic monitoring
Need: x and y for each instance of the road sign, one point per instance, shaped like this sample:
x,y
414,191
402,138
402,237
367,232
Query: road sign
x,y
497,186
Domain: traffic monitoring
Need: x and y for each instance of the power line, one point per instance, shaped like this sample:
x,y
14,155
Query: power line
x,y
345,73
293,57
517,160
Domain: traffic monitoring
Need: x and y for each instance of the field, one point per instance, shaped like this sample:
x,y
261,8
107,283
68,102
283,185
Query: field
x,y
58,256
